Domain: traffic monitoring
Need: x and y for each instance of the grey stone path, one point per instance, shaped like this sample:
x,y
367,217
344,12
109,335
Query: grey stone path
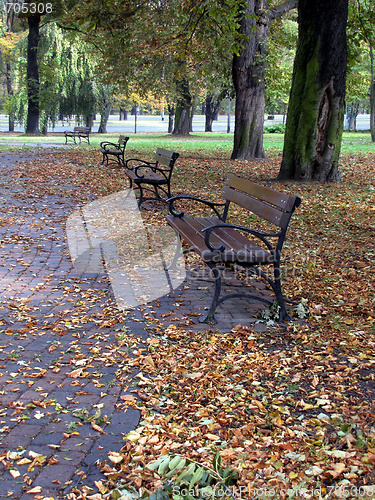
x,y
61,410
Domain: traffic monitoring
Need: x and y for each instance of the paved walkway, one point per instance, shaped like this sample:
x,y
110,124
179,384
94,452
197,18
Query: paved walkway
x,y
62,378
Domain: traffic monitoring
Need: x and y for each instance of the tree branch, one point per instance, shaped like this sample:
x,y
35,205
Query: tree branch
x,y
282,9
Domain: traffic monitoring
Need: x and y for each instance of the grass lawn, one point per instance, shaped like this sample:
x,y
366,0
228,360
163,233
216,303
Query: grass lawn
x,y
212,144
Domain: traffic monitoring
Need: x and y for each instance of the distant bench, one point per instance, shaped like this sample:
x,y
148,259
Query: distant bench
x,y
152,177
221,244
113,153
80,132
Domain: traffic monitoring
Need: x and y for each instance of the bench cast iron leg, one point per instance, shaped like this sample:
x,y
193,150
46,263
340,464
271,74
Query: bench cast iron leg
x,y
215,301
283,313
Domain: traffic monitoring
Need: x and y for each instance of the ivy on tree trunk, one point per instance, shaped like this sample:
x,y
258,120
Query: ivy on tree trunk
x,y
317,102
32,124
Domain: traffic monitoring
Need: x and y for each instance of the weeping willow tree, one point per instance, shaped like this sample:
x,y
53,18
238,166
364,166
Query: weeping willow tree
x,y
68,86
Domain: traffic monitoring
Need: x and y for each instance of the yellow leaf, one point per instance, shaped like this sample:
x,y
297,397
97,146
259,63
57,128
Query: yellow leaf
x,y
37,489
97,428
147,360
24,461
115,458
212,437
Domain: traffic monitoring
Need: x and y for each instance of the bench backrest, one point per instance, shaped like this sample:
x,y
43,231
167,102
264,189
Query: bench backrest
x,y
85,130
122,140
166,158
273,206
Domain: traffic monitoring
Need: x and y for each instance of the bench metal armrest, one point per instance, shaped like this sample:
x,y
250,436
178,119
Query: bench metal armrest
x,y
259,234
106,144
210,204
142,163
151,167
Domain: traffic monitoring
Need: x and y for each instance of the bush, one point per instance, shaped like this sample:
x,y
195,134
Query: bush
x,y
275,129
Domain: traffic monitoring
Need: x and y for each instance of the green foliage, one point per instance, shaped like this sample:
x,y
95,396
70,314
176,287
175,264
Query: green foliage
x,y
275,129
188,479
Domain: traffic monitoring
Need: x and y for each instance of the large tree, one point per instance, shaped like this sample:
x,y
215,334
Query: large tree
x,y
317,101
249,69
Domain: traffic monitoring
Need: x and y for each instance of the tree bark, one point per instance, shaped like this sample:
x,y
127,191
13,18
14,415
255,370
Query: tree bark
x,y
352,110
317,101
171,113
212,107
183,109
32,123
104,116
248,73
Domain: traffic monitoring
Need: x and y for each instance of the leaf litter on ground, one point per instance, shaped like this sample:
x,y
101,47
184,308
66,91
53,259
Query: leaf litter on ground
x,y
287,408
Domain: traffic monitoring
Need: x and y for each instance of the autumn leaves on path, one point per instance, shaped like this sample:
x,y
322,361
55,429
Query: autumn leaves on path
x,y
63,375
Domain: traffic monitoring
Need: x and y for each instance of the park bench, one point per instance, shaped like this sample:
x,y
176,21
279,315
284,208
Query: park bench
x,y
220,244
80,132
113,153
154,178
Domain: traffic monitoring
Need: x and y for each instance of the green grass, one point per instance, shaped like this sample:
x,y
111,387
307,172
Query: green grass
x,y
210,144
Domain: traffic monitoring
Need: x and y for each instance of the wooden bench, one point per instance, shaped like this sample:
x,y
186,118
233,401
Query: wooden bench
x,y
222,244
152,177
80,132
113,153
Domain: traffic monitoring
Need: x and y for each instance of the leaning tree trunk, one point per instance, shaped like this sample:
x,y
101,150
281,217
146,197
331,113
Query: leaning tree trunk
x,y
317,101
183,109
32,123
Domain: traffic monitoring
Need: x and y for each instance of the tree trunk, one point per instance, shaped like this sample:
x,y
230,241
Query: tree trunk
x,y
317,101
248,73
183,109
123,114
171,112
191,117
212,107
352,111
32,123
10,94
104,116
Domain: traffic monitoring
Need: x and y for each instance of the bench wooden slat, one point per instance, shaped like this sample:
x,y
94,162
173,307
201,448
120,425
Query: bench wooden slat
x,y
265,211
281,200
